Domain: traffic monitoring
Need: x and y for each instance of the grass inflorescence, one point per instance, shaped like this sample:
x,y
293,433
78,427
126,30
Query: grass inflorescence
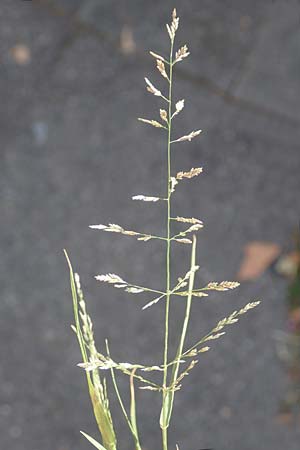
x,y
174,368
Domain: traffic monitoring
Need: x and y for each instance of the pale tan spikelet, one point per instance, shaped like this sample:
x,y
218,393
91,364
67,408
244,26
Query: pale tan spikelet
x,y
110,278
149,388
153,302
181,53
145,198
194,172
145,238
163,115
178,107
161,68
212,337
152,369
203,350
173,183
191,353
188,220
249,306
199,294
152,89
130,233
188,274
129,366
188,137
112,227
223,286
77,282
175,22
195,294
134,290
156,56
169,32
154,123
174,25
183,241
195,227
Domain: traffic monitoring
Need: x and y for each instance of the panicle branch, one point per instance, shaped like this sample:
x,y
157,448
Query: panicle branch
x,y
215,332
114,228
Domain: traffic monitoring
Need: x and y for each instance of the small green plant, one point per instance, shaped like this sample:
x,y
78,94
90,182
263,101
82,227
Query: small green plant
x,y
174,368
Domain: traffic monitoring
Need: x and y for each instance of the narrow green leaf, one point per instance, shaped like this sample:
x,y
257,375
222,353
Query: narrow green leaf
x,y
133,404
93,441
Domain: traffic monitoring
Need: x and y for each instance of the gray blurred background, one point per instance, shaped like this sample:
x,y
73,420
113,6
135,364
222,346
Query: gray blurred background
x,y
73,154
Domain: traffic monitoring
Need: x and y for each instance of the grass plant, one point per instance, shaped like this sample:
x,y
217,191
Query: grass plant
x,y
174,368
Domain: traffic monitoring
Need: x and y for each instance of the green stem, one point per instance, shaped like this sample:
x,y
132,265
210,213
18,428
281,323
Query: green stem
x,y
134,434
187,312
168,253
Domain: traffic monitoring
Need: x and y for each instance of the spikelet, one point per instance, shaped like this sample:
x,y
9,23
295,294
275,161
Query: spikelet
x,y
111,278
156,56
153,302
152,89
163,115
183,241
174,25
145,198
190,174
173,183
181,53
145,238
199,294
161,68
188,137
223,286
203,350
154,123
178,107
149,388
193,228
188,220
214,336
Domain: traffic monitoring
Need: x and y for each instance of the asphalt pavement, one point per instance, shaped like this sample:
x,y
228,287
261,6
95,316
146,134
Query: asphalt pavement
x,y
73,154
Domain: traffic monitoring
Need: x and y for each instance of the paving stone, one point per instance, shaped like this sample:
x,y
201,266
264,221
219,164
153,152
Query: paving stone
x,y
270,77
